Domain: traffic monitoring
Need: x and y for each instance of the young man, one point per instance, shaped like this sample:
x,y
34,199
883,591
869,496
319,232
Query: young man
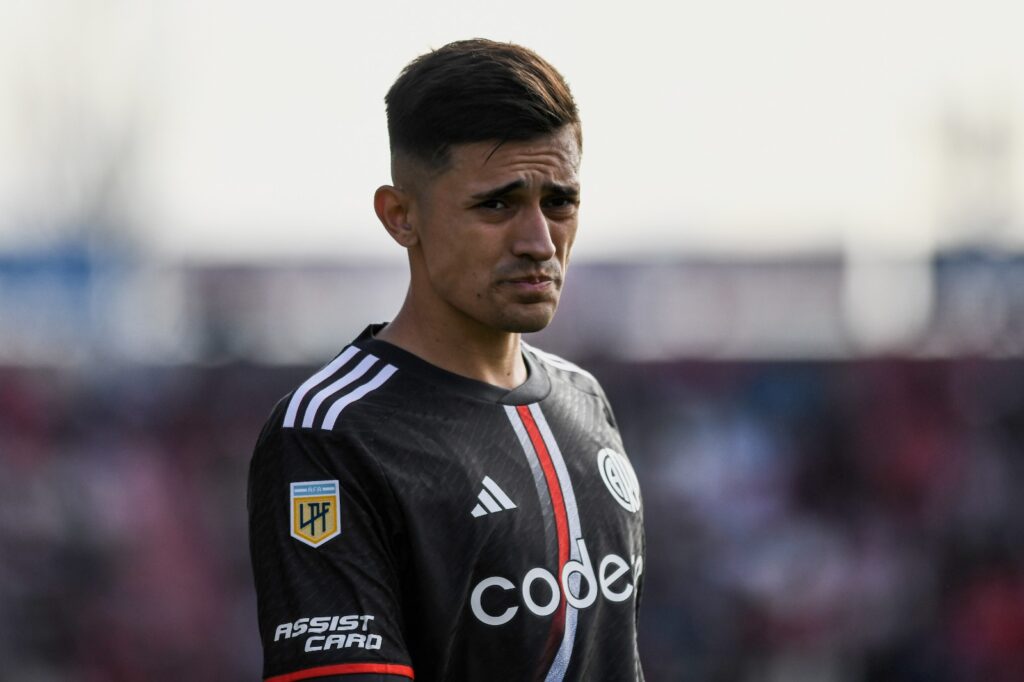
x,y
442,501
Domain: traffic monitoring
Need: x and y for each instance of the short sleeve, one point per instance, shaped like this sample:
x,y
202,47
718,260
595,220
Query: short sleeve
x,y
323,545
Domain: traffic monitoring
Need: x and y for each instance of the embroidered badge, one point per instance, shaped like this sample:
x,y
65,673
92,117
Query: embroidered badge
x,y
315,513
618,476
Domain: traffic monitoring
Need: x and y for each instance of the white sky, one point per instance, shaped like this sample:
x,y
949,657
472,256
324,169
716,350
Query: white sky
x,y
255,130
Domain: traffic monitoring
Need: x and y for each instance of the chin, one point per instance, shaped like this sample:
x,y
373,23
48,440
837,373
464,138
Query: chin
x,y
528,328
527,322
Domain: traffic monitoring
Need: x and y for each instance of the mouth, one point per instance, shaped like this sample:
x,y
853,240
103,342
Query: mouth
x,y
536,283
532,279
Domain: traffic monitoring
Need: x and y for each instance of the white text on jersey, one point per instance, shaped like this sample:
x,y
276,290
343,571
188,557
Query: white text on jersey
x,y
607,580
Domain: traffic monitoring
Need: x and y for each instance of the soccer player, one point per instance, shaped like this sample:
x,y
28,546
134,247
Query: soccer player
x,y
442,501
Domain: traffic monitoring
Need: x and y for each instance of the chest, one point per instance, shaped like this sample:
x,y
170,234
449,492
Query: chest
x,y
511,488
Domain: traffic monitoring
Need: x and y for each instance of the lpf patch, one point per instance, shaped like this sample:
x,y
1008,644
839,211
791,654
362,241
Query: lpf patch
x,y
315,514
618,475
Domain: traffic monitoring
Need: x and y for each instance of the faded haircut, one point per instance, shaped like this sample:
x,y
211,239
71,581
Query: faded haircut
x,y
474,91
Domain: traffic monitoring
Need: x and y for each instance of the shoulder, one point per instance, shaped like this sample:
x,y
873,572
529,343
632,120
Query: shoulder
x,y
327,430
336,412
562,369
568,373
352,376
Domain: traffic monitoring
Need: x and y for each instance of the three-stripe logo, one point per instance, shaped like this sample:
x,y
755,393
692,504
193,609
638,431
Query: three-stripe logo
x,y
336,386
492,499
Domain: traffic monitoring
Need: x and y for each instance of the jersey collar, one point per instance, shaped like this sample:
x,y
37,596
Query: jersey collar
x,y
536,387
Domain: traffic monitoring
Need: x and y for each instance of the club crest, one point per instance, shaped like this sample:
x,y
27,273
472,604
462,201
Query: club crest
x,y
619,478
315,513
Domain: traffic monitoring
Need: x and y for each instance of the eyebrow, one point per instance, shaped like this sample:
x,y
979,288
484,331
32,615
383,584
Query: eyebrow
x,y
508,188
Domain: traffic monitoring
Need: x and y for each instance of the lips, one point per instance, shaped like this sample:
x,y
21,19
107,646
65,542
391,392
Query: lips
x,y
532,288
530,275
531,282
531,279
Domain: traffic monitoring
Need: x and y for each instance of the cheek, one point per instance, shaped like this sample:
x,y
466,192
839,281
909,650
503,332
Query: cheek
x,y
566,238
440,247
459,266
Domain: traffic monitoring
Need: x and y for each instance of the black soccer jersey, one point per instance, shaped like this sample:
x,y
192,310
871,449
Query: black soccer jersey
x,y
410,522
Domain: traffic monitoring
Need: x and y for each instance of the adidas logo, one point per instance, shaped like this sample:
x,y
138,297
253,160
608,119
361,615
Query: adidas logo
x,y
492,499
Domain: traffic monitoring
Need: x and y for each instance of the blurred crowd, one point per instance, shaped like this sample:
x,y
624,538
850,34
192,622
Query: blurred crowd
x,y
806,521
826,522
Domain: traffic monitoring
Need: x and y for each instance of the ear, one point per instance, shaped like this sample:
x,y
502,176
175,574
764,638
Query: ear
x,y
394,209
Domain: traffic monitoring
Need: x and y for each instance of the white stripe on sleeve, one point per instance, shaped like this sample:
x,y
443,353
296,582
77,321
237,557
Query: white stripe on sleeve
x,y
362,368
332,367
373,384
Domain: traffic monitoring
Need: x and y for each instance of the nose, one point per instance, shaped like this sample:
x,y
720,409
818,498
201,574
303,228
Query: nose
x,y
532,235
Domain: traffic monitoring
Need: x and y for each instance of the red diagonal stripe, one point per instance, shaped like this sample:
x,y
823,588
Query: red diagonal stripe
x,y
345,669
561,520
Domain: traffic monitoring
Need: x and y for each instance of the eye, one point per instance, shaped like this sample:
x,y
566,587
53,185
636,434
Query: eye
x,y
562,203
493,204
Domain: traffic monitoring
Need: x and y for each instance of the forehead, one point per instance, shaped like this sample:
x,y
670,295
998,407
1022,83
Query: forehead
x,y
554,157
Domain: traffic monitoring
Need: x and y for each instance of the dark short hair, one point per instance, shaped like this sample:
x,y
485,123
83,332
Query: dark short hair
x,y
474,91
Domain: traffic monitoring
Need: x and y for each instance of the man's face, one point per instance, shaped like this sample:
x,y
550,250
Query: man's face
x,y
495,230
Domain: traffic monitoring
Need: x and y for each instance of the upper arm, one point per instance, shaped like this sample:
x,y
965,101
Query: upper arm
x,y
324,561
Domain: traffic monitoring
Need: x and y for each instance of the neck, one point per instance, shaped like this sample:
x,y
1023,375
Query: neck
x,y
460,345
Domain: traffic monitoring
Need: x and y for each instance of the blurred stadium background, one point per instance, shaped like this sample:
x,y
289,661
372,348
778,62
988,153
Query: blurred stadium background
x,y
808,315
